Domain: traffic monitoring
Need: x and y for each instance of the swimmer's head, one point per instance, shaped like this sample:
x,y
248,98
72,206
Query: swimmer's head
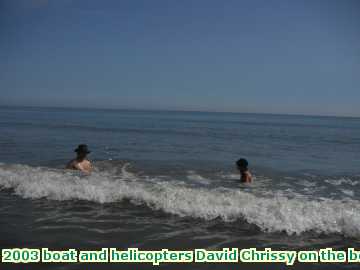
x,y
242,164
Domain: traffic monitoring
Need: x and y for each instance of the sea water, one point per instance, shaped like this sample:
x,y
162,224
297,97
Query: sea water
x,y
168,180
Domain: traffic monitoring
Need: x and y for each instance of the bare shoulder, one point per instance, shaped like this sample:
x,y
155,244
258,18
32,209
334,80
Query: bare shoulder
x,y
246,177
87,164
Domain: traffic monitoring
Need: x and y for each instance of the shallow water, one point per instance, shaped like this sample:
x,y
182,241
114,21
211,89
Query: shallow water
x,y
167,180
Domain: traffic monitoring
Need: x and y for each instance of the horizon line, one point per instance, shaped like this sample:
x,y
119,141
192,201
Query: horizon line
x,y
174,110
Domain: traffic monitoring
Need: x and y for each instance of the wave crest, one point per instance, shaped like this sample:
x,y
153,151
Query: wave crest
x,y
271,214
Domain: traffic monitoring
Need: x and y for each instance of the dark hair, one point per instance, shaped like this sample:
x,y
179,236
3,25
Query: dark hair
x,y
242,162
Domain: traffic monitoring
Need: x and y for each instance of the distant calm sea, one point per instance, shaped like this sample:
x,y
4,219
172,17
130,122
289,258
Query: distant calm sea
x,y
168,180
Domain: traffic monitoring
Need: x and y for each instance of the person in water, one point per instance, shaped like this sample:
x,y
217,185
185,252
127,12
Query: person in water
x,y
245,175
81,163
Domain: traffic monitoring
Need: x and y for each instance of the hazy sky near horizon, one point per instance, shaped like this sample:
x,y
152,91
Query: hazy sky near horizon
x,y
242,56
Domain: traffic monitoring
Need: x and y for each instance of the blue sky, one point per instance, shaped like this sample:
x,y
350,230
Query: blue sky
x,y
299,57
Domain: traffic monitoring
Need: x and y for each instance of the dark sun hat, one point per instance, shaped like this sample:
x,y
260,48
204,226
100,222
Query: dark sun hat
x,y
82,148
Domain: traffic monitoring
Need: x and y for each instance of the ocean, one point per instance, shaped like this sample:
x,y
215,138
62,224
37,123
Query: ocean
x,y
166,179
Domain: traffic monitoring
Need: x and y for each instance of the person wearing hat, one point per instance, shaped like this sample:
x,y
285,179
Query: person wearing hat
x,y
81,163
245,175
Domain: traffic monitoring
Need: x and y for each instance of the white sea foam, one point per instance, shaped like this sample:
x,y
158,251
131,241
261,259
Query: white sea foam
x,y
348,192
193,176
233,176
307,183
342,181
271,214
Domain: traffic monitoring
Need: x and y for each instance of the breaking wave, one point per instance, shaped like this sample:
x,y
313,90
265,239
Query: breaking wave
x,y
276,213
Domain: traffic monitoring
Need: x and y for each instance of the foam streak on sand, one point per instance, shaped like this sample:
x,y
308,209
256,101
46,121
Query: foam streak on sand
x,y
277,213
